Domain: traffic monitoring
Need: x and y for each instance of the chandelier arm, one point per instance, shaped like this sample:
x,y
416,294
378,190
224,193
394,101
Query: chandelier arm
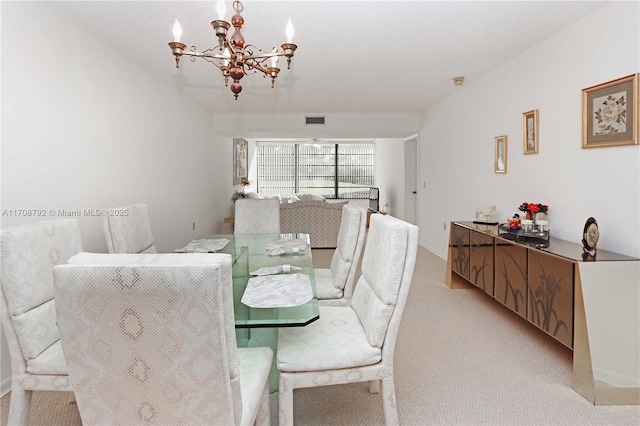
x,y
255,66
264,56
211,61
249,49
205,55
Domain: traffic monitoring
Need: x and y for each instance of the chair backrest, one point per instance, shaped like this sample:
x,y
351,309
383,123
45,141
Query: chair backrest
x,y
29,254
387,269
257,216
347,254
149,338
128,230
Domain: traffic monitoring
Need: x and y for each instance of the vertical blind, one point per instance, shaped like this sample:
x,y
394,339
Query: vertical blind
x,y
344,171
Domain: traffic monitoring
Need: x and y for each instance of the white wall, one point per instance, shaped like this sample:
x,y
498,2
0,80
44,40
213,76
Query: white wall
x,y
337,125
85,128
457,139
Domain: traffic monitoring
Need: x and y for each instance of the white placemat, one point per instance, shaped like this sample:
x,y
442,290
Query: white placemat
x,y
276,247
277,291
273,270
204,246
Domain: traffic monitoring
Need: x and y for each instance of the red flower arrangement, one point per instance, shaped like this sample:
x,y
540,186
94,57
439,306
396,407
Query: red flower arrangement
x,y
533,208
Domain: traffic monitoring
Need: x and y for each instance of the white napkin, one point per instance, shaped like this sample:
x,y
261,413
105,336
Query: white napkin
x,y
204,246
277,291
277,247
273,270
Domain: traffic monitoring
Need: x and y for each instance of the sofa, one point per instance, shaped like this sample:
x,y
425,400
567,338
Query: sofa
x,y
319,219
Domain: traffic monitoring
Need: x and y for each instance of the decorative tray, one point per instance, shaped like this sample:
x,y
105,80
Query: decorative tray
x,y
503,228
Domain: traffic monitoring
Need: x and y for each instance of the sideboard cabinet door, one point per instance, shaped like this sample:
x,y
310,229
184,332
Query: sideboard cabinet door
x,y
511,276
481,265
551,295
460,251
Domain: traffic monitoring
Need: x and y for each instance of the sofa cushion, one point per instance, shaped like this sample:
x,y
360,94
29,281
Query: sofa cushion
x,y
320,219
308,197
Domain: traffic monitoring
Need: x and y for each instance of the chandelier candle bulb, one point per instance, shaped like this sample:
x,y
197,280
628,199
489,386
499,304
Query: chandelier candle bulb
x,y
221,9
177,31
289,31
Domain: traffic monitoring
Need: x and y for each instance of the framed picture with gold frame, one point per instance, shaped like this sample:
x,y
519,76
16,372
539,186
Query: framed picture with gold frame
x,y
530,131
501,154
240,160
610,114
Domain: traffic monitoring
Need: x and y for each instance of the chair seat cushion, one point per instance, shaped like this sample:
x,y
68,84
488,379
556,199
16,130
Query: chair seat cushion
x,y
324,285
255,365
50,361
336,340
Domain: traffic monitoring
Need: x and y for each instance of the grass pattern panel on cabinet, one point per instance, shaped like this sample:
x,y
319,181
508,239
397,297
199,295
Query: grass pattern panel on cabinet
x,y
481,261
511,276
460,250
551,295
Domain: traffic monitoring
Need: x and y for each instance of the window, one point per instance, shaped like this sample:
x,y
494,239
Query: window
x,y
335,171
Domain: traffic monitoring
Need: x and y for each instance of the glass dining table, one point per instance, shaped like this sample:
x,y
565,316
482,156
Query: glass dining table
x,y
250,254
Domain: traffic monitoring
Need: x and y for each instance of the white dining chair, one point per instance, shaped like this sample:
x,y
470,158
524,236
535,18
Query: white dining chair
x,y
257,216
150,339
127,229
355,342
337,282
29,254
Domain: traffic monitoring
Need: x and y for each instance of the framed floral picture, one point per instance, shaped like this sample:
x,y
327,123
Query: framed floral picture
x,y
240,160
501,154
530,131
610,113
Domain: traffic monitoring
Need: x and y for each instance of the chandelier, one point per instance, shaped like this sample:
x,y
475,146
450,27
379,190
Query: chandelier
x,y
232,56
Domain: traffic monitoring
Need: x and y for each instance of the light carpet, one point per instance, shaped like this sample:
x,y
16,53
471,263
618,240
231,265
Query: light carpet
x,y
461,359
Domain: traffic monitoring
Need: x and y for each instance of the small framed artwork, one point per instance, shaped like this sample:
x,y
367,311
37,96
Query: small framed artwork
x,y
530,131
501,154
610,113
240,159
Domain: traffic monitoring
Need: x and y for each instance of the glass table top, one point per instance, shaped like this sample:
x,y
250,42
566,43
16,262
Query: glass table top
x,y
249,253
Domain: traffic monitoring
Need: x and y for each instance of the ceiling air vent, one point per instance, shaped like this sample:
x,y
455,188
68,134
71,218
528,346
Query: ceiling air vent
x,y
315,121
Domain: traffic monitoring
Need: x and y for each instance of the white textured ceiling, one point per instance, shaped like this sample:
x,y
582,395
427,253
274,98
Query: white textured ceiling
x,y
353,56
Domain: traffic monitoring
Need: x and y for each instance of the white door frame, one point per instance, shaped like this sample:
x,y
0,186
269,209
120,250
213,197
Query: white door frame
x,y
411,178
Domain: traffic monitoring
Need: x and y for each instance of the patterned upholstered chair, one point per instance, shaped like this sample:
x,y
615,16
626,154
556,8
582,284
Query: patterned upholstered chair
x,y
29,253
355,343
129,232
337,282
149,339
257,216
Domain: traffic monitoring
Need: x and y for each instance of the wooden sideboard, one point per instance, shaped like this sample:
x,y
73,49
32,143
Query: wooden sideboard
x,y
590,305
